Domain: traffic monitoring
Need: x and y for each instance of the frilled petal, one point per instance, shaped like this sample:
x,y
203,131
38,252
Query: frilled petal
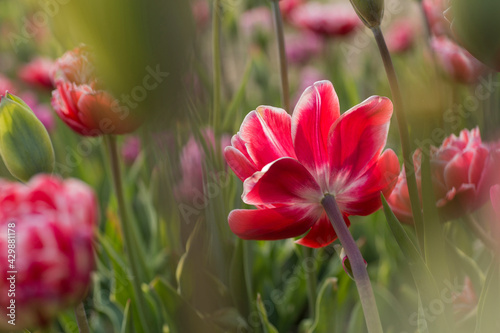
x,y
284,181
266,133
273,223
358,137
315,113
321,233
362,195
456,171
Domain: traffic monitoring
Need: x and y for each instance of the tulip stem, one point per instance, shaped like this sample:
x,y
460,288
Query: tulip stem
x,y
404,134
357,264
480,233
311,281
280,37
127,229
81,318
216,62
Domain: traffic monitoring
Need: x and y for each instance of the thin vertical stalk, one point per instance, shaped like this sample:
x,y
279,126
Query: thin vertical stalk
x,y
278,25
216,63
311,280
127,228
358,266
81,319
404,134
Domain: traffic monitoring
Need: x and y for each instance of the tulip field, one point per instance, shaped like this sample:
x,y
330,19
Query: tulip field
x,y
250,166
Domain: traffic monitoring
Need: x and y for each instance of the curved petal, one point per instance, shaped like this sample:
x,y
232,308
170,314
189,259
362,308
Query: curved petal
x,y
321,233
267,136
284,181
273,223
362,196
315,113
358,137
239,163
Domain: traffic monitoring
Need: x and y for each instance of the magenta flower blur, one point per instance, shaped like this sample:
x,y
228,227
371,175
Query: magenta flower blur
x,y
38,73
326,19
401,36
54,222
131,148
301,47
288,164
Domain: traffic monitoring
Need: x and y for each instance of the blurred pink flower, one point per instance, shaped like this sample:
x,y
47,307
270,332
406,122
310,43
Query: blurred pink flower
x,y
288,6
6,85
192,162
434,12
38,73
256,21
131,149
463,170
302,47
401,36
327,19
75,66
41,111
54,222
201,13
495,200
458,63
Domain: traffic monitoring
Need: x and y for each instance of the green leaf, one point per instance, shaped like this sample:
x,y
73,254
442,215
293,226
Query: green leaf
x,y
126,323
488,319
266,325
25,145
326,306
424,281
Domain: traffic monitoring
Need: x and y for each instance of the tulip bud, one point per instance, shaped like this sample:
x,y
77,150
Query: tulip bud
x,y
370,12
346,263
476,25
25,145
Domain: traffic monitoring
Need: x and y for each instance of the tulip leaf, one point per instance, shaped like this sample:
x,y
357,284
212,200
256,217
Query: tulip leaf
x,y
326,306
488,319
126,323
424,281
25,145
266,325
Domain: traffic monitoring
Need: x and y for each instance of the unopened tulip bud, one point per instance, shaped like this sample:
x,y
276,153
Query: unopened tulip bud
x,y
25,145
370,12
346,263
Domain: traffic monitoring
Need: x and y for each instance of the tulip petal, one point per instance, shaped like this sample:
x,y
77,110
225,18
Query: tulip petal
x,y
321,233
266,133
240,164
358,137
284,181
362,195
495,199
315,113
273,223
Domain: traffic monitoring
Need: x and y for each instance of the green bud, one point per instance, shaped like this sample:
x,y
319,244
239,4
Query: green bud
x,y
370,12
476,26
25,145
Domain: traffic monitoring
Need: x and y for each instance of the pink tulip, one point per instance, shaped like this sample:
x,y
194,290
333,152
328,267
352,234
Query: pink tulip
x,y
300,48
6,85
495,200
192,161
288,164
458,63
38,73
288,6
463,170
131,149
75,66
434,12
401,36
201,13
256,21
329,20
53,222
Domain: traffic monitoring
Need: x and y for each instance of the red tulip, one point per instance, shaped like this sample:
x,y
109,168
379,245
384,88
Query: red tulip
x,y
288,164
456,61
462,173
53,222
91,112
288,6
38,73
326,19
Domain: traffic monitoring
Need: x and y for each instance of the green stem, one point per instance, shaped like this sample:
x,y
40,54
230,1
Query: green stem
x,y
404,134
358,266
127,228
216,64
278,23
81,318
480,233
311,280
